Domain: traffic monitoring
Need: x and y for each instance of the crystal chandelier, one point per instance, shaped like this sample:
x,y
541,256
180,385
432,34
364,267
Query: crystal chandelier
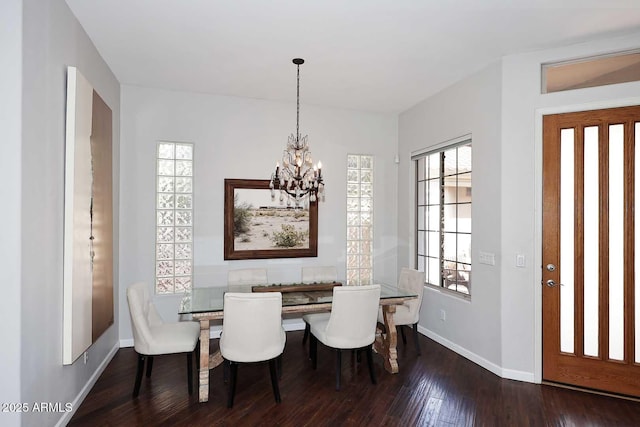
x,y
299,180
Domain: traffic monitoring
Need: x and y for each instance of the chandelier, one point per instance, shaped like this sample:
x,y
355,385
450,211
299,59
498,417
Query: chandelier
x,y
298,180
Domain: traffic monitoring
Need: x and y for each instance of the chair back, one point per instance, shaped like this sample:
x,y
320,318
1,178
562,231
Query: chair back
x,y
319,274
143,316
412,281
252,327
354,315
247,276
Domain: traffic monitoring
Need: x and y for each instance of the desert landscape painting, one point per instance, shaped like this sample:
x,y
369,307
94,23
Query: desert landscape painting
x,y
259,223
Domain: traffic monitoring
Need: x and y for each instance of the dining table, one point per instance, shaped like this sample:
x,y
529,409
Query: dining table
x,y
205,304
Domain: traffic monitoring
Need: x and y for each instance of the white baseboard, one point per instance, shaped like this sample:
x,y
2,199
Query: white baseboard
x,y
512,374
479,360
64,420
294,325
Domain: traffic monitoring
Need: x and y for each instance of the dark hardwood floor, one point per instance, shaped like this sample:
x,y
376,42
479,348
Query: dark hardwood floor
x,y
440,388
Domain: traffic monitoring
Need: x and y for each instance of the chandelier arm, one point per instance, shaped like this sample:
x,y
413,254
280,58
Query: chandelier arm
x,y
306,157
308,173
292,193
286,155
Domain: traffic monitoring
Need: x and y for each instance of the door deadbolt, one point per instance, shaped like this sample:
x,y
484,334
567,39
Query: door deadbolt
x,y
551,267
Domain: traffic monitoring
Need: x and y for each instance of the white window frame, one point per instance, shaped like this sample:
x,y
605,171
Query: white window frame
x,y
447,272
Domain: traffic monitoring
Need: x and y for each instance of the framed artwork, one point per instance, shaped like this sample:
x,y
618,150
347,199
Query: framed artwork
x,y
256,227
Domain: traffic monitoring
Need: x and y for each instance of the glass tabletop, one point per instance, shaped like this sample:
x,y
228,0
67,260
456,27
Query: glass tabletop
x,y
210,299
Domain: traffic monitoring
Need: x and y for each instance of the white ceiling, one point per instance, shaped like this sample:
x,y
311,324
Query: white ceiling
x,y
373,55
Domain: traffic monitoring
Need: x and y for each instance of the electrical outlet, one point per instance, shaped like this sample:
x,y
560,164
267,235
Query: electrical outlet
x,y
85,357
443,315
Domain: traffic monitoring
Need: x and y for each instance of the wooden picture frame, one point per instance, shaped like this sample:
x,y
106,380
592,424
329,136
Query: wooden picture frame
x,y
262,218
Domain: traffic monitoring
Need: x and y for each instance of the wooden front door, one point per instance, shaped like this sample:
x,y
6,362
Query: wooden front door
x,y
591,303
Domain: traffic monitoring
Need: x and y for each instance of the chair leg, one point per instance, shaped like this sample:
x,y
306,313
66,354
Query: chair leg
x,y
313,350
274,379
382,328
279,366
307,328
232,383
190,372
415,338
136,386
338,367
404,338
372,373
197,351
149,366
225,371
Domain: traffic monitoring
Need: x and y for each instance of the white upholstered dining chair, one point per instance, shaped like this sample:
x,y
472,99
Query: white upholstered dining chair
x,y
316,274
252,332
412,281
153,337
350,325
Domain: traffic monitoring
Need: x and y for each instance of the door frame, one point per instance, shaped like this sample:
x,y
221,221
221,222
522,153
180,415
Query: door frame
x,y
537,263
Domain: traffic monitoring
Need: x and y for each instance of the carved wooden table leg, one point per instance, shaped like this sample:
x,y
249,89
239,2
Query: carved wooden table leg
x,y
386,342
215,360
203,387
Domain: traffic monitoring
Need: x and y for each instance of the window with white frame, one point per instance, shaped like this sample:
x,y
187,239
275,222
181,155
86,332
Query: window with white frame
x,y
443,214
359,219
174,217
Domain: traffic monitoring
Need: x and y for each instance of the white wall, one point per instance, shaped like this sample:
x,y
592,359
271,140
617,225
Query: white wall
x,y
243,138
52,40
10,123
521,147
472,106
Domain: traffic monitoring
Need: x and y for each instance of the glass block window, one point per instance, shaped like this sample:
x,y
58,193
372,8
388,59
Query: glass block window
x,y
359,219
174,217
443,214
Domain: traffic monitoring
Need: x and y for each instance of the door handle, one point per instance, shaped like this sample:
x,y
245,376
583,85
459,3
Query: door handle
x,y
552,283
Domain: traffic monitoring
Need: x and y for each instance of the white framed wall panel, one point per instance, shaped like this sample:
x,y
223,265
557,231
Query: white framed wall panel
x,y
88,221
77,221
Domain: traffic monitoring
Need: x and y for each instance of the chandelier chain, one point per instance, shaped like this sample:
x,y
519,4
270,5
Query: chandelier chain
x,y
298,107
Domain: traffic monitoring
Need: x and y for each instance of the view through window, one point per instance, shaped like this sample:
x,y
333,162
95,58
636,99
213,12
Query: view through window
x,y
443,213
